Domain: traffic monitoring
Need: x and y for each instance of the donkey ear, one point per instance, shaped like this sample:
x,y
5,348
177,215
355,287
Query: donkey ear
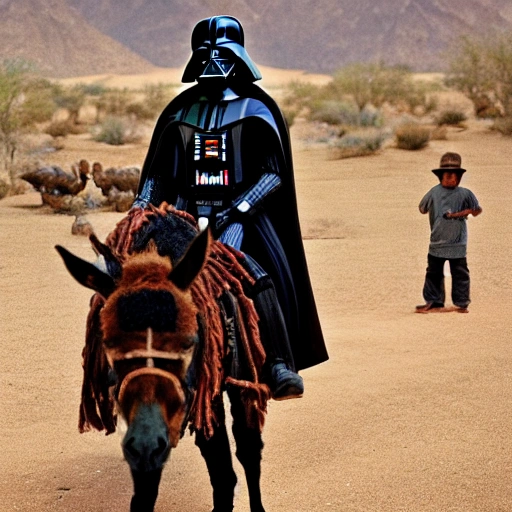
x,y
86,273
192,262
113,264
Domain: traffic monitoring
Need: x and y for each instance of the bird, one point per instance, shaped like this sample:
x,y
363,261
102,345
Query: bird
x,y
52,180
124,179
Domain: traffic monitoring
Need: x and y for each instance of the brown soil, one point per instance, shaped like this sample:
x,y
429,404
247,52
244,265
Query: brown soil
x,y
411,413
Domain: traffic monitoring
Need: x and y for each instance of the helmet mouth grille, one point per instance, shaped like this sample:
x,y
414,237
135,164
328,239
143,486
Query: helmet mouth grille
x,y
218,68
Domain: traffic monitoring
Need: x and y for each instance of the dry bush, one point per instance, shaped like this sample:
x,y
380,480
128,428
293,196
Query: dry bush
x,y
334,112
4,188
290,113
481,68
352,145
503,125
117,131
451,118
412,136
63,129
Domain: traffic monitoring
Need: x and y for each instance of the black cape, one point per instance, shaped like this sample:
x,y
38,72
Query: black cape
x,y
272,237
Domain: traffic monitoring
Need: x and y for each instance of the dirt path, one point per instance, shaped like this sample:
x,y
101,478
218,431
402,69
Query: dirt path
x,y
411,413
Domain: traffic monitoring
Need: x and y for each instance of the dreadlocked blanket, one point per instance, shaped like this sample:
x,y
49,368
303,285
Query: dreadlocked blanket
x,y
223,271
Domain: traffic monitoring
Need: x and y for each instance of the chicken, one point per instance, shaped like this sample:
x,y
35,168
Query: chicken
x,y
52,180
124,179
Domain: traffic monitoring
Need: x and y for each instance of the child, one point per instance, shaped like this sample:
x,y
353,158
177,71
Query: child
x,y
448,206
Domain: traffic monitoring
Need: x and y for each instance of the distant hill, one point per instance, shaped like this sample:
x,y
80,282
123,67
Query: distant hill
x,y
60,41
78,37
315,35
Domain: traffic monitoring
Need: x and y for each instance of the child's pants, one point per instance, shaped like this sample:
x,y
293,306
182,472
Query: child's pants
x,y
433,290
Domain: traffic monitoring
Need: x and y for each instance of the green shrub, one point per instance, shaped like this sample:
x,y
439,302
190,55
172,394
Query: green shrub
x,y
116,131
290,113
353,145
342,113
300,94
451,117
114,102
334,112
370,118
94,89
412,136
481,68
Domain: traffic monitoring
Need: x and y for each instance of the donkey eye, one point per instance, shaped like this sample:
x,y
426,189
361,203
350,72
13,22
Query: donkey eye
x,y
189,342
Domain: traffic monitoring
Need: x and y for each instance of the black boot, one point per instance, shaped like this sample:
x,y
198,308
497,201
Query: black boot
x,y
285,383
282,379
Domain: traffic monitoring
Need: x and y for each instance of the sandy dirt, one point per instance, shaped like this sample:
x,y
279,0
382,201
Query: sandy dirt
x,y
411,412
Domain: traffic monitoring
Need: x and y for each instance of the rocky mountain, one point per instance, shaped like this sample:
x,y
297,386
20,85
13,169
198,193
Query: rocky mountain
x,y
316,35
73,37
60,41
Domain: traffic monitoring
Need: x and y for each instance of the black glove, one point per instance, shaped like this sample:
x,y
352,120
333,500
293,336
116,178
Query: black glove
x,y
226,217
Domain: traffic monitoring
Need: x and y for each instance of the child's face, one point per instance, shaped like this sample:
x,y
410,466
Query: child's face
x,y
450,179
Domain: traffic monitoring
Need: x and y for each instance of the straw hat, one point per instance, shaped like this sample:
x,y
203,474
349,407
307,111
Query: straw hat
x,y
449,162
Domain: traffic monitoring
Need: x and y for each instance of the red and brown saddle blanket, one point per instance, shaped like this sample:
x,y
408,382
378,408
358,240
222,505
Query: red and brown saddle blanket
x,y
223,272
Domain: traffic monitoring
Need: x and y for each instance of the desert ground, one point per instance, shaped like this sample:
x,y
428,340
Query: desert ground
x,y
411,412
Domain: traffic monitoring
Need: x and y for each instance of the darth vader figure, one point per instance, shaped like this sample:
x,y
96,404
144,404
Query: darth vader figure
x,y
221,151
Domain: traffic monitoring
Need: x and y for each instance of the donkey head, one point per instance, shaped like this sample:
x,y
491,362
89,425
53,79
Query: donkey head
x,y
150,333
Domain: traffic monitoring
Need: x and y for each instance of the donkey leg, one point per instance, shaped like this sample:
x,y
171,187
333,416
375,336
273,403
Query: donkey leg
x,y
217,455
145,490
249,446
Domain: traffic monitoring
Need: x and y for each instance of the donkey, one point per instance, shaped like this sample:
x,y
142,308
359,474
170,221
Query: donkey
x,y
154,332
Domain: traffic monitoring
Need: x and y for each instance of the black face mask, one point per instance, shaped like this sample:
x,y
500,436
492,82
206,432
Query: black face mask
x,y
218,52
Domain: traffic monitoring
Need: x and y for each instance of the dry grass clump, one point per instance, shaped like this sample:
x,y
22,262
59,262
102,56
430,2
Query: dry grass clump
x,y
412,136
4,188
503,125
451,118
63,128
352,145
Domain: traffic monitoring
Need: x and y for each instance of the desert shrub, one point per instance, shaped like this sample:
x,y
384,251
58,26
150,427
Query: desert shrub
x,y
155,99
25,100
114,102
352,145
419,97
300,94
412,136
503,125
369,117
93,89
62,129
334,112
481,68
290,113
4,188
71,99
344,113
451,118
376,84
116,131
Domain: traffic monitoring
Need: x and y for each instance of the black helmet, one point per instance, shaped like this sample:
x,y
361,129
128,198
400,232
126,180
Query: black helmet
x,y
218,51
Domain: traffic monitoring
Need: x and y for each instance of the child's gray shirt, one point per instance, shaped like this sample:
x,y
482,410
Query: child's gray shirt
x,y
448,237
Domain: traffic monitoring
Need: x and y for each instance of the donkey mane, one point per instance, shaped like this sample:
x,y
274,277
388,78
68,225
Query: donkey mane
x,y
171,231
